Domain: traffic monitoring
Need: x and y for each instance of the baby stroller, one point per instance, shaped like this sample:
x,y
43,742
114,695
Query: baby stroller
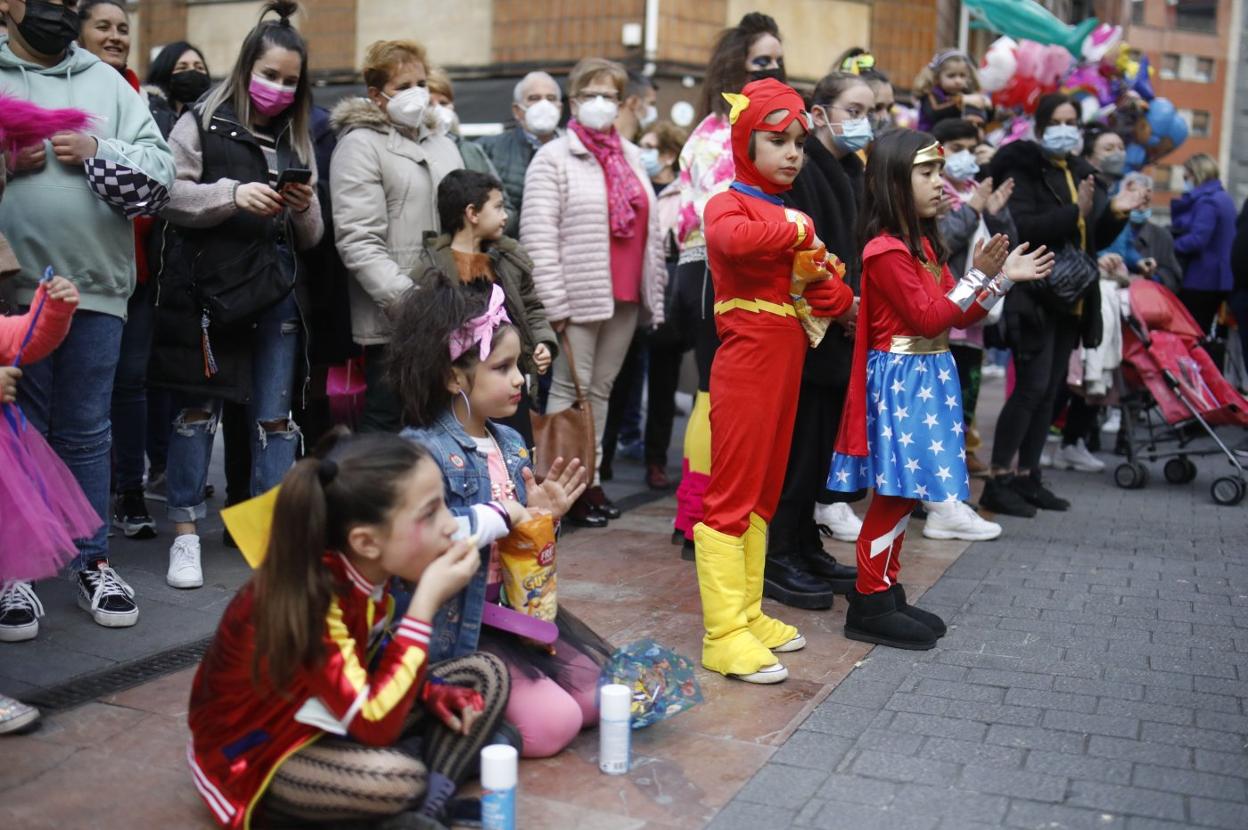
x,y
1175,395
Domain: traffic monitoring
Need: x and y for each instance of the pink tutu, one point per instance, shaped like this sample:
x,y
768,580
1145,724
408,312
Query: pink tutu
x,y
42,508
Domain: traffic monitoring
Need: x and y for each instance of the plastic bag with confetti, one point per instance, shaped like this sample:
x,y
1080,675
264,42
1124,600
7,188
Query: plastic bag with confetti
x,y
810,266
662,681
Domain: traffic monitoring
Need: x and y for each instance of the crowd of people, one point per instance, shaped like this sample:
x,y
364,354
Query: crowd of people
x,y
257,242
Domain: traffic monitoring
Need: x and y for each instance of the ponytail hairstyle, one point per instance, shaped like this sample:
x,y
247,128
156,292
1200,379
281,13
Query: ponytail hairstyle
x,y
419,366
832,86
888,206
725,71
235,89
348,481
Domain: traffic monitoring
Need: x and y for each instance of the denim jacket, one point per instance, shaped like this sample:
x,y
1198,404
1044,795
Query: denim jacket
x,y
457,626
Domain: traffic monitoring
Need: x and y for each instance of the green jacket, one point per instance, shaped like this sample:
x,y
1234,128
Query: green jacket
x,y
51,216
475,158
511,153
514,272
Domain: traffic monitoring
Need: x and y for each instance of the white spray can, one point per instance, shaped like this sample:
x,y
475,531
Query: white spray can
x,y
615,729
498,784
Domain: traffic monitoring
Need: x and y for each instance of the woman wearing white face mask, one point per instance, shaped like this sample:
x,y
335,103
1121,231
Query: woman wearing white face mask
x,y
384,178
590,224
1057,202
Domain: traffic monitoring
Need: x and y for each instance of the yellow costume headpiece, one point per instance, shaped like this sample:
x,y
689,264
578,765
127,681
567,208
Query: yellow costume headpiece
x,y
932,152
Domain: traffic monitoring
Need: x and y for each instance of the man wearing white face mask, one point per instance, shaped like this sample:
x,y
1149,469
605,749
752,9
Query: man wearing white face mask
x,y
537,107
384,179
640,106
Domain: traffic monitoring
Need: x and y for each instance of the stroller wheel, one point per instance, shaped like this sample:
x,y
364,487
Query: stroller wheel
x,y
1131,476
1179,470
1227,491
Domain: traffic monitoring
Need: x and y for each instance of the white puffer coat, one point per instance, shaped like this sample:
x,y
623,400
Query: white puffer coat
x,y
565,228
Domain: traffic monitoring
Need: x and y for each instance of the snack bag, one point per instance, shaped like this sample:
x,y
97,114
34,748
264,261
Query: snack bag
x,y
812,266
663,682
528,558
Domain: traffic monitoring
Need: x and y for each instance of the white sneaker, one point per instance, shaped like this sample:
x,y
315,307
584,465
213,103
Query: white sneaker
x,y
765,676
956,520
1113,422
838,521
184,569
20,611
1077,457
796,644
1046,458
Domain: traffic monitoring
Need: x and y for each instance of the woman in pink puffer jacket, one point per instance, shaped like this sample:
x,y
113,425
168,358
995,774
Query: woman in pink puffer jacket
x,y
590,223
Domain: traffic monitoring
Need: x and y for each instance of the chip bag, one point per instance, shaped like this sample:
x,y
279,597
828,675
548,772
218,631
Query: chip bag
x,y
527,555
812,266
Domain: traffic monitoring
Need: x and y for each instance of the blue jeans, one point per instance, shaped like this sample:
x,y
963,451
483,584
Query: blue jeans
x,y
67,397
130,392
275,348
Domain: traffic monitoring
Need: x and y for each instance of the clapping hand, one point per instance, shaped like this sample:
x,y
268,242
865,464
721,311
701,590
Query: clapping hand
x,y
1028,267
980,198
990,254
1087,190
562,486
1000,197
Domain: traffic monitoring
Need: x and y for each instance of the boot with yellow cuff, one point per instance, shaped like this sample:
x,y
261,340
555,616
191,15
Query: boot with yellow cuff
x,y
728,647
777,636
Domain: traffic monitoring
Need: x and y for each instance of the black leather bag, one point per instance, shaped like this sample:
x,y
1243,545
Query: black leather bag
x,y
237,290
1074,273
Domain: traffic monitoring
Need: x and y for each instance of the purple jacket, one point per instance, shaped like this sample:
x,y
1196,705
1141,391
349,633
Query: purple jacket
x,y
1203,224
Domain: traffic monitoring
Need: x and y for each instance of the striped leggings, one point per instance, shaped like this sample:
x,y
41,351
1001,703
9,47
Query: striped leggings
x,y
337,779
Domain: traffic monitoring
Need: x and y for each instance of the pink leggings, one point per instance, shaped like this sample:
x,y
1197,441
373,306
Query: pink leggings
x,y
550,713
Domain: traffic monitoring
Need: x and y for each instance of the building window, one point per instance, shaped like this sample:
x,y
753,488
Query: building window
x,y
1204,70
1196,15
1200,121
1137,12
1169,69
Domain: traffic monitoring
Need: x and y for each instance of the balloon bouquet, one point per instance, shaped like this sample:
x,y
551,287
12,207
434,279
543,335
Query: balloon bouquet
x,y
1039,54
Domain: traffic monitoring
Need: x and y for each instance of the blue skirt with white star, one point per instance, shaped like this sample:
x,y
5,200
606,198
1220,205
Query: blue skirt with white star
x,y
915,434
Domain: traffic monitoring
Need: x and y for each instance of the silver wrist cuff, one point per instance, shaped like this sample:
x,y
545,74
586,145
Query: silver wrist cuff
x,y
967,289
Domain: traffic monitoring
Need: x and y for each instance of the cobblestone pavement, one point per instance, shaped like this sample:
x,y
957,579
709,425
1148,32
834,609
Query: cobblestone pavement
x,y
1095,675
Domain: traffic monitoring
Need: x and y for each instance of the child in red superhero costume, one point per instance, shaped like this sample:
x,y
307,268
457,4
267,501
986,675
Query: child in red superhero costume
x,y
751,242
901,433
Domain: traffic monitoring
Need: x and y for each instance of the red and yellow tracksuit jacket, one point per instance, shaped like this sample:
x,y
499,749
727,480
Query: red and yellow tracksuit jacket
x,y
240,735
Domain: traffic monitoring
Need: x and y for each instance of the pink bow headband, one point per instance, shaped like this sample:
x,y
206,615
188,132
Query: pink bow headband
x,y
481,329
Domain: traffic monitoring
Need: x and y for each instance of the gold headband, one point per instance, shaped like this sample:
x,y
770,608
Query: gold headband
x,y
932,152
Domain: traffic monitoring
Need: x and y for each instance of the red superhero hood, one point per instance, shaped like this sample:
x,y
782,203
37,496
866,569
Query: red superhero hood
x,y
750,108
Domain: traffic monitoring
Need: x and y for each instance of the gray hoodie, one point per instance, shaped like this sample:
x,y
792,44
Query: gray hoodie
x,y
51,217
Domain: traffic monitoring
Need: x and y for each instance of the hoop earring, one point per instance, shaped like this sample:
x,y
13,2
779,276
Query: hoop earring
x,y
467,403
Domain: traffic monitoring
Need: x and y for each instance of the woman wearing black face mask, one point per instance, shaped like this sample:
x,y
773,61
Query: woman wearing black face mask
x,y
180,74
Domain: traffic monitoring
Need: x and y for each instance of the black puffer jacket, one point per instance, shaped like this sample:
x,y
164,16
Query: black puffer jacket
x,y
829,192
226,151
1046,214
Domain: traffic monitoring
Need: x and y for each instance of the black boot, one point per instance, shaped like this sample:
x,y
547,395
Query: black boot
x,y
603,506
935,623
822,564
875,618
583,514
1000,497
786,581
1037,494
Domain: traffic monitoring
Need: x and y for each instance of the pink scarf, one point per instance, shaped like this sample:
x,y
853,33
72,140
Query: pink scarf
x,y
623,189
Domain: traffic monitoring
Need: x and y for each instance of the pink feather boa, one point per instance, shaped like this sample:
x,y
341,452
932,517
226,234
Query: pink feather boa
x,y
23,124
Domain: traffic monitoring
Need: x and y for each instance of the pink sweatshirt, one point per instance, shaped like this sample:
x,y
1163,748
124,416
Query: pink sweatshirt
x,y
49,332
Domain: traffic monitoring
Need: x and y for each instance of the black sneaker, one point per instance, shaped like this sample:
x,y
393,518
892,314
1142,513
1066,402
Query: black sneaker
x,y
104,595
1000,497
1039,495
20,611
130,516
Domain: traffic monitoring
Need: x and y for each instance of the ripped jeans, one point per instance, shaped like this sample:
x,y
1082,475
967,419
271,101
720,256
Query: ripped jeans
x,y
274,353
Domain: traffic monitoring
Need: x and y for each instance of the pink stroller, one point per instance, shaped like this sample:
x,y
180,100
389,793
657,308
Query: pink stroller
x,y
1175,395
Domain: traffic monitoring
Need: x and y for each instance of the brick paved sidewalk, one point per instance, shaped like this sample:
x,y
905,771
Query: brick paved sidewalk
x,y
1095,676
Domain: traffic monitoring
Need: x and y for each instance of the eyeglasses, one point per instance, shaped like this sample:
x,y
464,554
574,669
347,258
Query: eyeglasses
x,y
589,95
854,113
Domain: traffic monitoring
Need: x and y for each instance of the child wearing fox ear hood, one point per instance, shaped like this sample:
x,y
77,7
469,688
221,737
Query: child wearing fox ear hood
x,y
752,241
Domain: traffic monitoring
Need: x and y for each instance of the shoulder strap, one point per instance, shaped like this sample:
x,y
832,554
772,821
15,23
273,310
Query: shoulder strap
x,y
566,346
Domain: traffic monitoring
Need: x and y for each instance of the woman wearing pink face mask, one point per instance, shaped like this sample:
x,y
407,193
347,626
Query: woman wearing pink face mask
x,y
228,322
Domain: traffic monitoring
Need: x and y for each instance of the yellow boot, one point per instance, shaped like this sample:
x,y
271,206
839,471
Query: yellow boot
x,y
728,647
772,633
